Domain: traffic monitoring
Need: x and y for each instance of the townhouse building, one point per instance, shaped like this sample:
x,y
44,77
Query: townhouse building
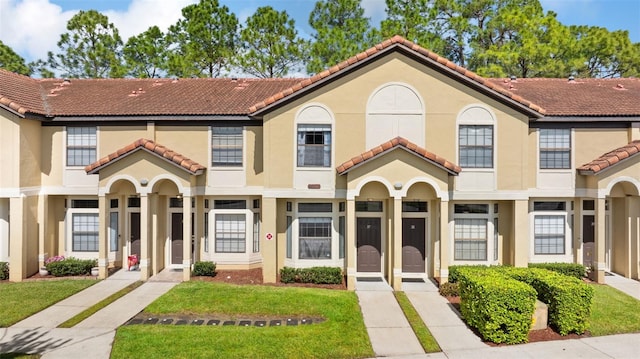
x,y
394,164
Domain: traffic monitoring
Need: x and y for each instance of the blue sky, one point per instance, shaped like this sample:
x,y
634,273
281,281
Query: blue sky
x,y
32,27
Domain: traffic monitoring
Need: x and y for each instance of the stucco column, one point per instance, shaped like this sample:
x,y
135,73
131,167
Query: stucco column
x,y
351,249
578,248
268,237
598,260
199,235
153,234
397,244
103,240
445,241
43,206
520,233
145,238
186,238
17,239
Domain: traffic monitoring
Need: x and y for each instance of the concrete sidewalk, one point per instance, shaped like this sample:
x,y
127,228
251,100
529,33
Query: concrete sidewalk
x,y
94,336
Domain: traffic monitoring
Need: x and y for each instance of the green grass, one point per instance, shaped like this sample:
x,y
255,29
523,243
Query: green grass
x,y
20,300
18,356
96,307
342,335
427,340
613,312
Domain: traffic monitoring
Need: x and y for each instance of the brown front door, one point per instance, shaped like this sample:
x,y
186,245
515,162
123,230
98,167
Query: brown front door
x,y
413,247
368,242
588,240
176,238
134,229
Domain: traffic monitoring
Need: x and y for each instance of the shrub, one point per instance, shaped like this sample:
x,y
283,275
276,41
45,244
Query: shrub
x,y
207,269
449,289
569,269
71,266
4,270
499,307
315,275
569,299
454,271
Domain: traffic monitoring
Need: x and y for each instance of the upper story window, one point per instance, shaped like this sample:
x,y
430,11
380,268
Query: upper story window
x,y
81,145
314,145
555,148
226,146
476,146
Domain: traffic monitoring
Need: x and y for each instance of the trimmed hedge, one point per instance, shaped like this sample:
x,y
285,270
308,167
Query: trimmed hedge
x,y
207,269
498,306
4,270
315,275
568,298
449,289
71,266
570,269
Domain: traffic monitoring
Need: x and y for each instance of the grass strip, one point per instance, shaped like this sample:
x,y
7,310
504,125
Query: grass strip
x,y
23,299
613,312
101,304
425,338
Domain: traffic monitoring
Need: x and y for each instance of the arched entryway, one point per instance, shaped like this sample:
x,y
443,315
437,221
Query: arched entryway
x,y
622,228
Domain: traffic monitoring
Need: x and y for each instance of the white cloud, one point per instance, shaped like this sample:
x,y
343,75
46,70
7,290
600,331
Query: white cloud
x,y
33,27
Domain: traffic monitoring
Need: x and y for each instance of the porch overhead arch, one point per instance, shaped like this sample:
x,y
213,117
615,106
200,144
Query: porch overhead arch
x,y
185,191
122,177
443,195
628,183
353,193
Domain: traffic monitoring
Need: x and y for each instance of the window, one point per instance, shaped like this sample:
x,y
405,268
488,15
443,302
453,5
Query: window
x,y
256,232
113,231
226,146
555,148
289,236
206,231
84,232
416,206
470,208
549,206
368,206
315,238
315,207
230,233
81,146
314,145
341,234
476,146
549,234
229,204
470,239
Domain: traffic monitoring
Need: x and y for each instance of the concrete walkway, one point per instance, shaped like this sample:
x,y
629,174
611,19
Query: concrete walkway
x,y
92,337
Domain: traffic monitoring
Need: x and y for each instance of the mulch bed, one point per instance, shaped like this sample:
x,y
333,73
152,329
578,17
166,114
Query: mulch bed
x,y
534,335
254,276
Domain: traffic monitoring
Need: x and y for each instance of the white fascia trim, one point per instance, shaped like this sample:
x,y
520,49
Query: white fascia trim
x,y
307,193
10,192
564,193
61,190
228,191
488,195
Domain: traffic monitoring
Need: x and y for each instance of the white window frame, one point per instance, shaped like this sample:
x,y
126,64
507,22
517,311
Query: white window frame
x,y
211,149
314,114
319,128
69,252
566,214
490,239
550,149
66,147
461,120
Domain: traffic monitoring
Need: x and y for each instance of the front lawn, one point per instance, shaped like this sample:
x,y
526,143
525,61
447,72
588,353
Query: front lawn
x,y
342,335
613,312
20,300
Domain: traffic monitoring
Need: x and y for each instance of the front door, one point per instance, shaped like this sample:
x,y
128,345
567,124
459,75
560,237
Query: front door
x,y
369,246
176,238
134,230
413,245
588,240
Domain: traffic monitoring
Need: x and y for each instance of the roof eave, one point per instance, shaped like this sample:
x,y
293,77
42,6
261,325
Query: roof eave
x,y
449,171
142,148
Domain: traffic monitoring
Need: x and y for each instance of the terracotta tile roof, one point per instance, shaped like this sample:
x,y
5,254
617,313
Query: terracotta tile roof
x,y
611,158
396,41
580,97
151,147
391,145
20,93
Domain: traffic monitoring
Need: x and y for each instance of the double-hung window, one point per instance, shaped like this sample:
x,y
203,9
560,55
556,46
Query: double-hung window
x,y
555,148
230,233
314,145
470,232
476,146
81,145
315,237
84,225
226,146
549,227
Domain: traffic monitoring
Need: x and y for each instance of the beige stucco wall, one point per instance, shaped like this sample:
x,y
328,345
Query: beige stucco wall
x,y
30,153
113,138
189,141
9,147
52,148
443,99
254,155
593,143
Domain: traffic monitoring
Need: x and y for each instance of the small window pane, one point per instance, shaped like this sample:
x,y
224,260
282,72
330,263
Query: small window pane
x,y
175,202
588,205
341,234
113,203
256,232
549,206
315,207
113,231
289,236
84,203
414,207
369,206
471,208
314,238
229,204
133,202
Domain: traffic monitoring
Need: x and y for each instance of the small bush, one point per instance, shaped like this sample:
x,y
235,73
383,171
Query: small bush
x,y
450,289
569,269
315,275
4,270
455,270
71,266
207,269
53,259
